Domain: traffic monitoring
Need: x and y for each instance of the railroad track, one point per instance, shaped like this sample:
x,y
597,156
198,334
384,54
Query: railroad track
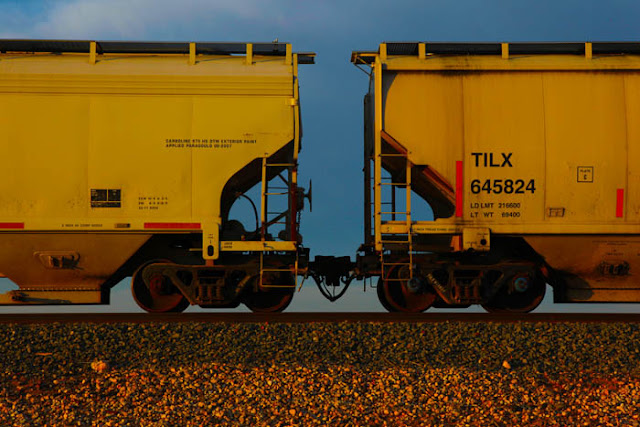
x,y
318,317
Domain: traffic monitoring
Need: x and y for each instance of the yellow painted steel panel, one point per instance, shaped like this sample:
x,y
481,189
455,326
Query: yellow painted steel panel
x,y
98,256
423,111
632,96
144,74
128,150
548,62
586,142
540,149
504,149
592,258
242,138
133,142
69,130
481,120
44,156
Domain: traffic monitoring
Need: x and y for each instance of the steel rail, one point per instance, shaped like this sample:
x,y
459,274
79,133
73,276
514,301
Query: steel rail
x,y
49,318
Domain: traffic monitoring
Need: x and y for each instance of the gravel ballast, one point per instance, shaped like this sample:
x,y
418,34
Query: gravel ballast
x,y
449,374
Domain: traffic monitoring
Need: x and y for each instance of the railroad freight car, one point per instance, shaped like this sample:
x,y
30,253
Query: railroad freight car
x,y
528,155
124,159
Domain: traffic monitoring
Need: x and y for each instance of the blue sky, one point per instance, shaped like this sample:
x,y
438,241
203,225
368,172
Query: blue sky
x,y
331,90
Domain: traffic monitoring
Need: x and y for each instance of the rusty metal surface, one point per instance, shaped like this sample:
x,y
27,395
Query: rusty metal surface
x,y
318,317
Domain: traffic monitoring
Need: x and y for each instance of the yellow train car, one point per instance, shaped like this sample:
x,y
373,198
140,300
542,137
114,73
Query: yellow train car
x,y
528,155
125,158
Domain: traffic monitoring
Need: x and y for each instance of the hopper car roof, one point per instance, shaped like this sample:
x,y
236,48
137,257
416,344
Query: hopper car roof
x,y
495,48
153,48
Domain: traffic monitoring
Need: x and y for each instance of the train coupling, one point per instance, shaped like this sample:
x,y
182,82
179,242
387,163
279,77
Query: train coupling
x,y
332,275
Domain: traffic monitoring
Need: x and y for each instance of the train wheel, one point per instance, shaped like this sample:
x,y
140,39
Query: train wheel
x,y
399,294
161,296
522,293
270,299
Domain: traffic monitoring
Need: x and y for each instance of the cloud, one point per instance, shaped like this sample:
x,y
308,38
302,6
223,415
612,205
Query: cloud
x,y
136,19
163,19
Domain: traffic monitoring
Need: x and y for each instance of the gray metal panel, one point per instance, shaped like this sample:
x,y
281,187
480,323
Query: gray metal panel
x,y
546,48
44,46
464,48
403,48
616,47
141,47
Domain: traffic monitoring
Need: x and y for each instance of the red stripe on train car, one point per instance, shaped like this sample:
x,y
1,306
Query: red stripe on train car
x,y
620,203
459,188
173,225
12,225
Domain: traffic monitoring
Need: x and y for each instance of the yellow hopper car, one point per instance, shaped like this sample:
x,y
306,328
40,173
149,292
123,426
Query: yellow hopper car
x,y
125,158
528,155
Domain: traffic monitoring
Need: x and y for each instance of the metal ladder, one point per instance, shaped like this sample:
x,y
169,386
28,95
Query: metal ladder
x,y
278,270
404,240
265,223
